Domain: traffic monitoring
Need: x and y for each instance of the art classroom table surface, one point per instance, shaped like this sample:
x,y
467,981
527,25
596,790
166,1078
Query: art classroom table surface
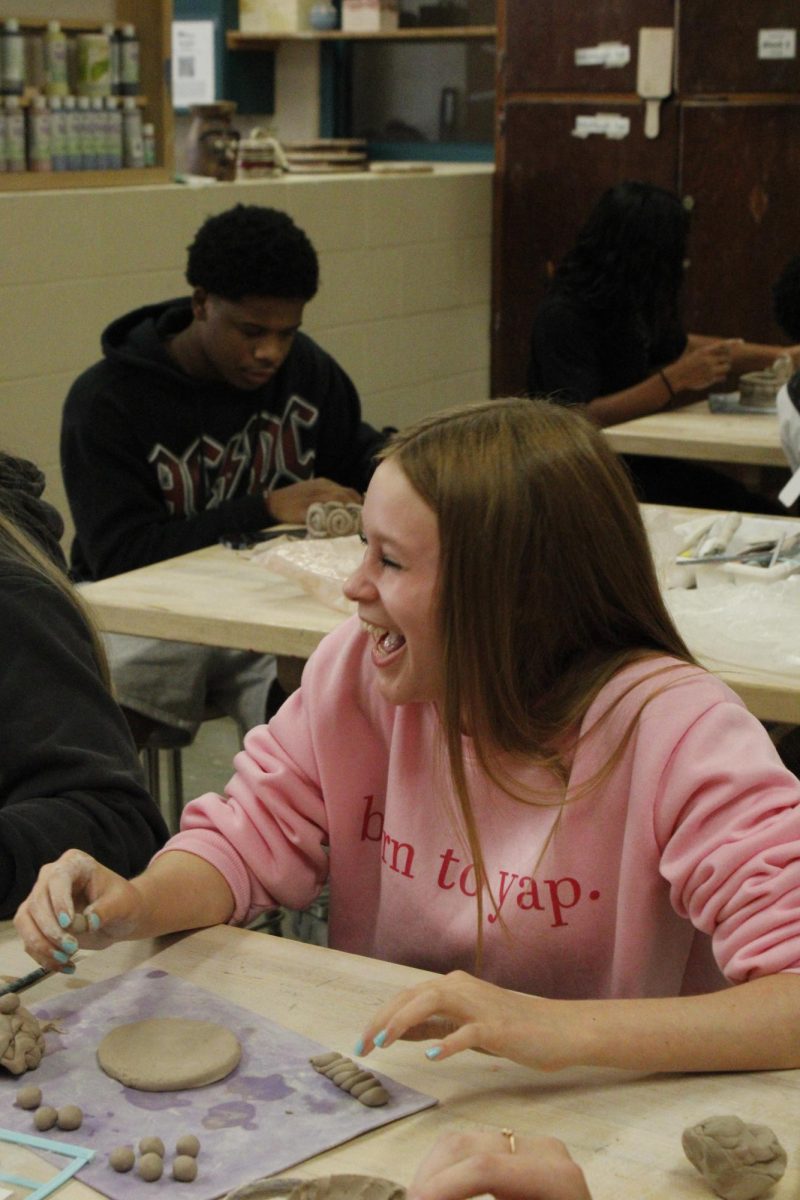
x,y
217,597
695,432
623,1128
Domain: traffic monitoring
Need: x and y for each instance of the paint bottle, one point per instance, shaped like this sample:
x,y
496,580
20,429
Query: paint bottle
x,y
85,134
3,151
72,134
94,64
149,143
113,48
132,141
113,133
97,124
15,134
55,60
39,141
128,61
58,134
12,58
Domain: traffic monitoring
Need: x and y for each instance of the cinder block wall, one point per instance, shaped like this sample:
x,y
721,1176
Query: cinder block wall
x,y
403,305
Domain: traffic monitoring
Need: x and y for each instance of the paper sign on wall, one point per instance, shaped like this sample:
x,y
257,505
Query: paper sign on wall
x,y
777,43
605,54
610,125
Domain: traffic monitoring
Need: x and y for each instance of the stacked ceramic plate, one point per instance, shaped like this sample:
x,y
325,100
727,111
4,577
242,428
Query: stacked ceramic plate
x,y
326,155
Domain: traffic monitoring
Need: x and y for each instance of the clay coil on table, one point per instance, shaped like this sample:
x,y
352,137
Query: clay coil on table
x,y
167,1054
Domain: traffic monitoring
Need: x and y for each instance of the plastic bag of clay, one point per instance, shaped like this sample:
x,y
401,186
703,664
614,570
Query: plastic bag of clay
x,y
319,566
753,625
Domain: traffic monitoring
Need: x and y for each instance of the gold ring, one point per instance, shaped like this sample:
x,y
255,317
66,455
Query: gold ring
x,y
512,1141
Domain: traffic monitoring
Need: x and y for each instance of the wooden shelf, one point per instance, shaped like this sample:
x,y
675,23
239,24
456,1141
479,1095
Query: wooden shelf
x,y
39,181
237,40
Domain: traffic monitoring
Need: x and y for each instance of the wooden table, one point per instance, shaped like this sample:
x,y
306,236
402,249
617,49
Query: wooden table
x,y
695,432
624,1129
217,597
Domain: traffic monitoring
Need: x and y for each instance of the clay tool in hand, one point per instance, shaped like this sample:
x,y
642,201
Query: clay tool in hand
x,y
654,74
25,981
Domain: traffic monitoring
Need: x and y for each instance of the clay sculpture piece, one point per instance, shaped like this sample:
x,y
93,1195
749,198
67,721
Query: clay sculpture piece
x,y
347,1075
738,1161
326,1187
184,1168
45,1117
21,1036
188,1144
69,1117
151,1145
122,1158
29,1097
167,1054
330,519
151,1167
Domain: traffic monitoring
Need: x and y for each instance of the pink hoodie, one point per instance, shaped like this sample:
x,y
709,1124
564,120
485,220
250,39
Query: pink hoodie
x,y
690,845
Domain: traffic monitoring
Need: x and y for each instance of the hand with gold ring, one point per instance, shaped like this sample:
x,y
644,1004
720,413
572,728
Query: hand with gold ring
x,y
461,1165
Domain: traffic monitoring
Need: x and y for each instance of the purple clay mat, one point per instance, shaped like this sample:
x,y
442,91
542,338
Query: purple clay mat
x,y
272,1112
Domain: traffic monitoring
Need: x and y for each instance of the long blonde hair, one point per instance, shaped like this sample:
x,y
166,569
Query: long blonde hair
x,y
546,589
17,548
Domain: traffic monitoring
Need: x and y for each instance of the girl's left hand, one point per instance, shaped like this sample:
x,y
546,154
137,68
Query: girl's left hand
x,y
465,1013
471,1164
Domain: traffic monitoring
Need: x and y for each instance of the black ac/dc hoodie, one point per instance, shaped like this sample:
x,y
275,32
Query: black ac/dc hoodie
x,y
156,463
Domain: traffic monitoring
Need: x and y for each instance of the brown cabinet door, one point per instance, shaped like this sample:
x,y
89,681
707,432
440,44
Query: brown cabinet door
x,y
741,168
542,36
755,47
547,181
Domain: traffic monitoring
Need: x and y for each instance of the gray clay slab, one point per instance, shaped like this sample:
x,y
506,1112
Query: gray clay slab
x,y
272,1112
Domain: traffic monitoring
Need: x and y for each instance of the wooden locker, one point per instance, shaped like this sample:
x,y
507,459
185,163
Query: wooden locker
x,y
738,46
547,181
542,37
740,164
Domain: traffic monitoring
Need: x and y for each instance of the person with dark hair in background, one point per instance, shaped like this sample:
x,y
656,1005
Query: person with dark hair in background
x,y
208,416
609,335
786,306
69,774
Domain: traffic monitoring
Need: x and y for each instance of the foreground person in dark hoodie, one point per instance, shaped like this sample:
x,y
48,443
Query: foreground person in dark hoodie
x,y
69,773
208,417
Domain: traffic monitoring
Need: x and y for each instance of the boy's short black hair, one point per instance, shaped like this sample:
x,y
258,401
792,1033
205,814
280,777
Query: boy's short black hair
x,y
786,299
250,250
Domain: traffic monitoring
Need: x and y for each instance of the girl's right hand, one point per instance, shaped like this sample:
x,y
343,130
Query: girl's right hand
x,y
700,369
75,883
461,1165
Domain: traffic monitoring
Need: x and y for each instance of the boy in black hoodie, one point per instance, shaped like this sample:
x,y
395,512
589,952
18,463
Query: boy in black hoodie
x,y
208,416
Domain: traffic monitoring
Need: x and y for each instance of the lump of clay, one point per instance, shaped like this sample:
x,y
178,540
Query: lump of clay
x,y
122,1158
29,1097
184,1168
347,1075
151,1145
188,1144
70,1117
166,1054
150,1167
45,1117
79,923
21,1036
738,1161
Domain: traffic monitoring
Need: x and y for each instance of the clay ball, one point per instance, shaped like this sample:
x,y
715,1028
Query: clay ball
x,y
152,1145
9,1003
184,1168
79,923
45,1117
29,1097
122,1158
70,1117
150,1167
188,1144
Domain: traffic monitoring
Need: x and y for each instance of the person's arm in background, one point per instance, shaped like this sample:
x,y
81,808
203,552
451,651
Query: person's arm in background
x,y
69,770
746,356
566,363
460,1165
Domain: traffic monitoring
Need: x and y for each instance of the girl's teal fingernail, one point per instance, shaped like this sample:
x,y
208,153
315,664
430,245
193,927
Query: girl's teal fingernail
x,y
94,922
433,1052
63,920
69,944
359,1047
60,957
68,969
380,1038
